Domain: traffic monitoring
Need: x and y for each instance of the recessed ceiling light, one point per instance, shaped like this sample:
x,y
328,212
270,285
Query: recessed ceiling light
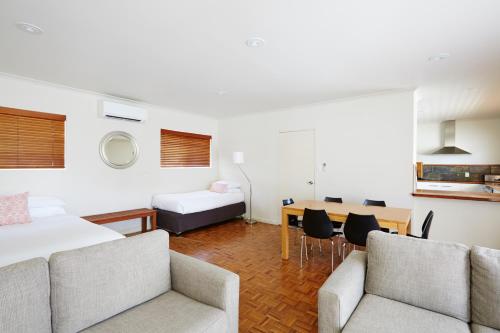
x,y
439,57
255,42
29,28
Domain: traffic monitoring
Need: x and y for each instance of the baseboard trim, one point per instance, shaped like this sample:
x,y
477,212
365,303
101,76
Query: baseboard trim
x,y
265,220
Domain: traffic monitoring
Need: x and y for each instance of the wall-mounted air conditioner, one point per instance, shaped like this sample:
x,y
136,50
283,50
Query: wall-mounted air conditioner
x,y
122,111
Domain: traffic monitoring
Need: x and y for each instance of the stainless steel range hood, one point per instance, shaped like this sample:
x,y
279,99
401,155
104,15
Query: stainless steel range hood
x,y
449,140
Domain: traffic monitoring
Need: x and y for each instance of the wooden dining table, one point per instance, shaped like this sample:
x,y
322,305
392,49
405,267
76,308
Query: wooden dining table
x,y
387,217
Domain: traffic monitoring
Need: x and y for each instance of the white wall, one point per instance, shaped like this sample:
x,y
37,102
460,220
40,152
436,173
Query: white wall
x,y
463,221
480,137
367,143
87,184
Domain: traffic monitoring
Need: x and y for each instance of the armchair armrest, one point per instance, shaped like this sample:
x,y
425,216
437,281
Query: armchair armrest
x,y
341,293
207,284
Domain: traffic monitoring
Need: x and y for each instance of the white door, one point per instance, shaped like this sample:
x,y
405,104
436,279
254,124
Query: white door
x,y
297,165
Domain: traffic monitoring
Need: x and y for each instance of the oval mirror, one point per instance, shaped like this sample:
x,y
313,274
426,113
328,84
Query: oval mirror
x,y
119,150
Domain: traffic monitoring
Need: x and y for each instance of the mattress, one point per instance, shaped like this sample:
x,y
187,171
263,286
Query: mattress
x,y
48,235
192,202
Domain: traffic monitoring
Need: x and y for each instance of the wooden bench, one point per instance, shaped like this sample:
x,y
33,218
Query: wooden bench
x,y
125,215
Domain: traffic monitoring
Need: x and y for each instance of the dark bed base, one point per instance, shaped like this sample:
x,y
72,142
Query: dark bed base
x,y
179,223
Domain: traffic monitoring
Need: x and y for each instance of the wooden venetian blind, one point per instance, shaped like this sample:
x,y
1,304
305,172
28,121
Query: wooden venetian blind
x,y
30,139
181,149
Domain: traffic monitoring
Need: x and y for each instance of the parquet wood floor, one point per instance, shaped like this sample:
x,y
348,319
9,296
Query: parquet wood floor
x,y
275,295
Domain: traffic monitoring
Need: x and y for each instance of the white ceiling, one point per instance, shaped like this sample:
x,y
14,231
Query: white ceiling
x,y
458,100
181,53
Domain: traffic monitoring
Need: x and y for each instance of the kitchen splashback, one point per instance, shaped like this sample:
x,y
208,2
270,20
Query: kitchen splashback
x,y
453,172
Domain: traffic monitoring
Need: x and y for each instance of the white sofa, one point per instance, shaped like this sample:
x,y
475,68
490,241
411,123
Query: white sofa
x,y
403,284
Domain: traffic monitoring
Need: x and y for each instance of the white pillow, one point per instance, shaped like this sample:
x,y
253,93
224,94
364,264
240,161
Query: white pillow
x,y
233,190
230,184
37,202
36,212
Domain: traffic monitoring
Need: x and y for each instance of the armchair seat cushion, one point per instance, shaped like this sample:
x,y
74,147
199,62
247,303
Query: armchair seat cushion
x,y
475,328
169,312
376,314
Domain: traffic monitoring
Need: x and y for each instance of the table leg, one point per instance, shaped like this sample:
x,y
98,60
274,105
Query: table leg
x,y
402,229
144,226
284,235
153,221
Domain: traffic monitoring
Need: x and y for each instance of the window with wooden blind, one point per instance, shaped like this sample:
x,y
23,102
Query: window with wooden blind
x,y
181,149
30,139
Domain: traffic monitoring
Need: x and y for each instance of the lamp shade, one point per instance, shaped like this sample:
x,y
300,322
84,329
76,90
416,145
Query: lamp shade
x,y
238,157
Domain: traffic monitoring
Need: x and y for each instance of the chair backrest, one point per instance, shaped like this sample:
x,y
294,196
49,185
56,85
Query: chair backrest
x,y
287,202
332,199
426,226
94,283
316,223
357,227
368,202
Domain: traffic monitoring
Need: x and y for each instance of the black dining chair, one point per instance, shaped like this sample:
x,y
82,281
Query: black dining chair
x,y
356,229
316,224
426,226
379,203
336,225
333,199
293,220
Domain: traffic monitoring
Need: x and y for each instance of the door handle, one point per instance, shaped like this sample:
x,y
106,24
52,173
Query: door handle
x,y
310,182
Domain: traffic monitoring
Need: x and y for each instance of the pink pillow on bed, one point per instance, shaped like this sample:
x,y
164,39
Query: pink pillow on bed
x,y
14,209
218,187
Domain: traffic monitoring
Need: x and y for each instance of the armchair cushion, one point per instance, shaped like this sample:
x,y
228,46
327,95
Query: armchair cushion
x,y
475,328
341,292
376,314
170,312
208,284
485,291
94,283
424,273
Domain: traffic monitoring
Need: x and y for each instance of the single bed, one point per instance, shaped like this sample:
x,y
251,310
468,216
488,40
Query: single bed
x,y
181,212
47,235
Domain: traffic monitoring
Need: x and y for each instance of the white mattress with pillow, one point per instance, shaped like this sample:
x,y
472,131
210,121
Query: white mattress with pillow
x,y
47,235
199,201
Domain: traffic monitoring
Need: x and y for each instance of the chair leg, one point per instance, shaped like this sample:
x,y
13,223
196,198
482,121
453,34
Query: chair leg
x,y
301,249
354,247
331,240
305,245
343,251
320,249
338,243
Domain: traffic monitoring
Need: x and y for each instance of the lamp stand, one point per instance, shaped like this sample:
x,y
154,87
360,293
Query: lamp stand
x,y
249,220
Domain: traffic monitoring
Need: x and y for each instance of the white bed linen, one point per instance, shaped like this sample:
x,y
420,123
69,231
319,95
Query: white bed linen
x,y
47,235
199,201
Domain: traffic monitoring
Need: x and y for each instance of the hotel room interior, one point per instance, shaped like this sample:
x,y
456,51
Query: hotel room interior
x,y
249,166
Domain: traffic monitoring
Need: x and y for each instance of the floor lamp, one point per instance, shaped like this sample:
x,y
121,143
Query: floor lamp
x,y
239,159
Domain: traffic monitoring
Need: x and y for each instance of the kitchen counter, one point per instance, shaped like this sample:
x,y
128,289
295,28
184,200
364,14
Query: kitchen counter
x,y
494,186
459,195
449,181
